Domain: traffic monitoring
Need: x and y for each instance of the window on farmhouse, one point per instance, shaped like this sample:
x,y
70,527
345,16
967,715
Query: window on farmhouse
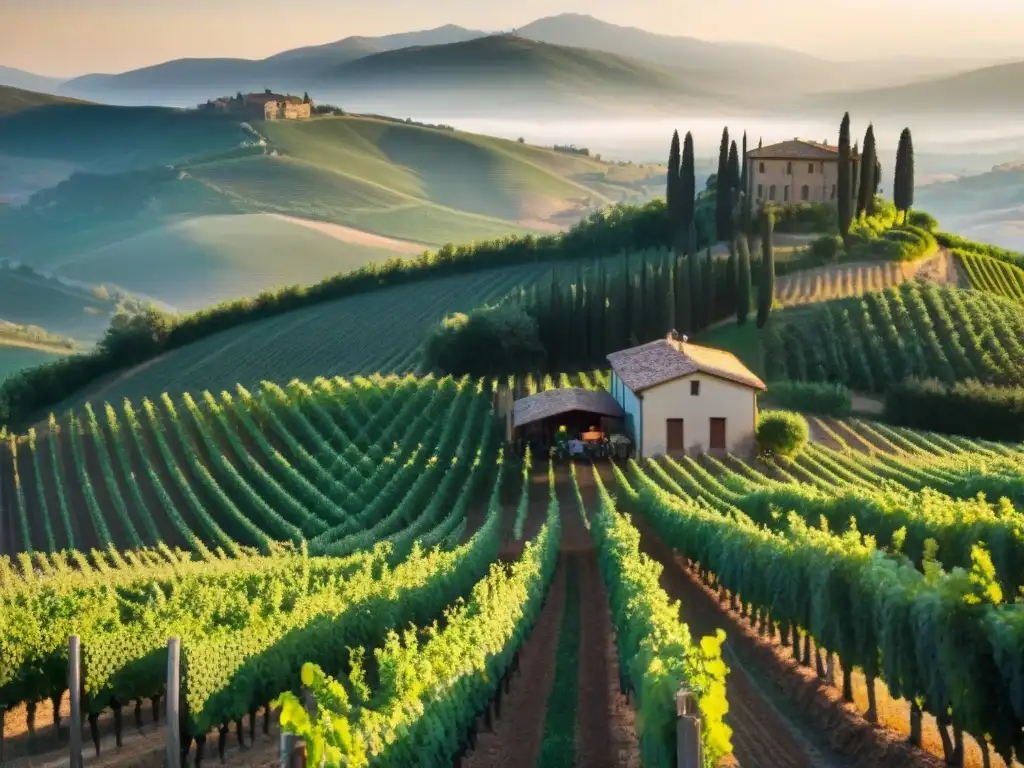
x,y
810,167
805,192
760,168
694,388
760,191
771,192
789,168
785,194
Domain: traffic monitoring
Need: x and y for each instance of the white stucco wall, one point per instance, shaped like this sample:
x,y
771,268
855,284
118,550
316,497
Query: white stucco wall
x,y
630,404
717,399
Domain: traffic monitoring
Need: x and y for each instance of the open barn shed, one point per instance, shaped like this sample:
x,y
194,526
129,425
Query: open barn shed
x,y
537,418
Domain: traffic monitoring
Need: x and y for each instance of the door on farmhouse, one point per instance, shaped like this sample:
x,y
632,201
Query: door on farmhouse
x,y
674,436
717,434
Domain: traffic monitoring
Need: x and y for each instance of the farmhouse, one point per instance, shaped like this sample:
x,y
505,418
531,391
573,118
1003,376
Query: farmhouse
x,y
679,397
262,106
796,170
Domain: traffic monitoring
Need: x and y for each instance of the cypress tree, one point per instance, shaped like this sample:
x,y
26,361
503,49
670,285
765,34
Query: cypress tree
x,y
709,288
696,306
766,289
868,183
723,191
908,173
687,184
672,192
684,316
845,187
734,188
878,176
743,222
743,289
731,274
897,176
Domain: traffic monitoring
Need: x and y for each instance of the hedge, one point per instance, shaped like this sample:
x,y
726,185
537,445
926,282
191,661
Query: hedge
x,y
968,408
821,398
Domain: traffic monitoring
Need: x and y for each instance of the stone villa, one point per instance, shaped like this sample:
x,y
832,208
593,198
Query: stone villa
x,y
794,171
263,106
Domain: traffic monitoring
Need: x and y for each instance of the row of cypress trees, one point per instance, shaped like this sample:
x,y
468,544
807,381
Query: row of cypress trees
x,y
612,304
856,194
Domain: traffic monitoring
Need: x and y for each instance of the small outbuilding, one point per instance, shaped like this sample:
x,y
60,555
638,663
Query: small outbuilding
x,y
536,419
681,398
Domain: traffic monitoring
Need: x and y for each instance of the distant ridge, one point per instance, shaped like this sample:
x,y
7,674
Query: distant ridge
x,y
996,89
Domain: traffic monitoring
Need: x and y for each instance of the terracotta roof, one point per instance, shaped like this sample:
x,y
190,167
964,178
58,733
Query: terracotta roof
x,y
797,149
665,360
556,401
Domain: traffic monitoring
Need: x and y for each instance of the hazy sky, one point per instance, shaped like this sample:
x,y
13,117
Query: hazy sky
x,y
68,37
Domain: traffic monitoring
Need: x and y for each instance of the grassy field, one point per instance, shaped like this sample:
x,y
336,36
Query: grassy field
x,y
199,261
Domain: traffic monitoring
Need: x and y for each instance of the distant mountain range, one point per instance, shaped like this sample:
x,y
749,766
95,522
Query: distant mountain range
x,y
995,89
566,62
17,78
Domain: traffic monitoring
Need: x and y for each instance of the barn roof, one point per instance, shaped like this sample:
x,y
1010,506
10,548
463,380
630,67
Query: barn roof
x,y
667,359
556,401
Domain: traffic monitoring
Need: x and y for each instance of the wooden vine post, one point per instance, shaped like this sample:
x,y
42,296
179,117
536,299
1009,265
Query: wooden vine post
x,y
173,757
75,693
689,750
293,748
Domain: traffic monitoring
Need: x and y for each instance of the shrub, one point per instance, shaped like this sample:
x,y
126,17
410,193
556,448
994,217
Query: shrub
x,y
968,408
802,218
490,341
924,220
827,249
781,433
821,398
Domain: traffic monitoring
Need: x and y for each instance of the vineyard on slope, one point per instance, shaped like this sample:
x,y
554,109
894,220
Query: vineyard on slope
x,y
987,273
883,557
919,329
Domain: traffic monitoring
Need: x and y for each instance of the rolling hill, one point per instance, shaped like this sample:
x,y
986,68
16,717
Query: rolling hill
x,y
110,138
297,202
14,100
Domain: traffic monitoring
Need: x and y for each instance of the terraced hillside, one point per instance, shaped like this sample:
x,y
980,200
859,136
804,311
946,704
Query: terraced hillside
x,y
847,280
